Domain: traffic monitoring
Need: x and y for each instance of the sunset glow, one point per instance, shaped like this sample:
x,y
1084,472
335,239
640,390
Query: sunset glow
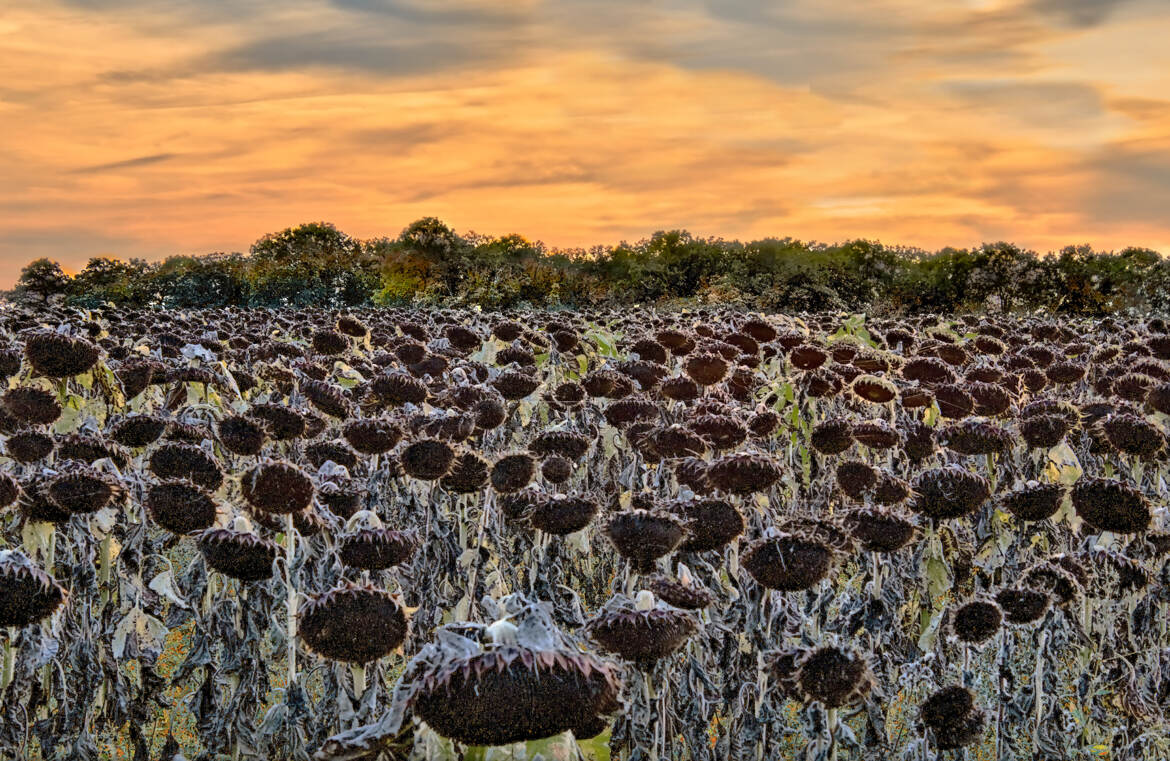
x,y
143,129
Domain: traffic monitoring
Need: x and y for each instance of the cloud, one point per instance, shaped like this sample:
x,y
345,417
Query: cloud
x,y
1048,104
138,161
1079,13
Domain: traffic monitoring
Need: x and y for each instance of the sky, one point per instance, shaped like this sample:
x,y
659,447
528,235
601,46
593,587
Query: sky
x,y
146,128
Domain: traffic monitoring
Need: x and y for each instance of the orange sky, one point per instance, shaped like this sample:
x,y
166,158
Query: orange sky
x,y
146,128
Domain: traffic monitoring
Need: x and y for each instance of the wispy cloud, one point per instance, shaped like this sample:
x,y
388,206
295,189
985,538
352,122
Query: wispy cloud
x,y
135,162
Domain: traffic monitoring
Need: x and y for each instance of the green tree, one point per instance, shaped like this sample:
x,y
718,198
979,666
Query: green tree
x,y
44,278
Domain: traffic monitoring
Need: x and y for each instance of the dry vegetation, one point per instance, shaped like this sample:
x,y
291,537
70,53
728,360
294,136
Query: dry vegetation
x,y
609,533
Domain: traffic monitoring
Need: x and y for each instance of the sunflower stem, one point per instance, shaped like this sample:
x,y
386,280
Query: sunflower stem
x,y
483,515
105,563
832,728
289,552
9,659
359,680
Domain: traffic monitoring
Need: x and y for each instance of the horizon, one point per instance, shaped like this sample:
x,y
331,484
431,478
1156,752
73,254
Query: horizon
x,y
206,125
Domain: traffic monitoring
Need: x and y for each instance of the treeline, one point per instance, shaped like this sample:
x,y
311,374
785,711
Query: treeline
x,y
429,263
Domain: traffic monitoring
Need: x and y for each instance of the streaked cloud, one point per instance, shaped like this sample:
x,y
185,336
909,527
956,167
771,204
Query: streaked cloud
x,y
139,128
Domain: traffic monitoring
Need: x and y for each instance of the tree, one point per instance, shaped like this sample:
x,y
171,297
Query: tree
x,y
43,277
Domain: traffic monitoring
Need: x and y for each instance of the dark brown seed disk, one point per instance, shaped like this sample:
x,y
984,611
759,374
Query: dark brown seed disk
x,y
624,412
186,461
342,499
1064,373
563,514
833,677
600,383
9,362
871,388
950,492
879,530
855,478
513,472
974,437
489,414
1133,387
136,377
832,436
951,715
889,489
991,399
807,357
372,436
241,435
468,474
556,469
692,473
1110,505
351,326
514,385
9,490
875,434
976,622
764,424
931,370
1034,501
29,446
1022,606
462,338
90,449
514,694
59,356
785,666
643,536
674,441
953,401
32,405
282,423
353,624
788,563
82,490
705,369
918,440
375,549
680,389
1054,580
743,473
398,388
329,343
1158,398
680,595
720,431
138,430
320,452
1043,431
238,554
187,433
277,487
27,593
327,398
427,459
563,443
180,507
591,728
710,524
1134,435
642,636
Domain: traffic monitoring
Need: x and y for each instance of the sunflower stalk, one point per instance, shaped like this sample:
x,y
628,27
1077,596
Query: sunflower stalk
x,y
290,533
10,648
